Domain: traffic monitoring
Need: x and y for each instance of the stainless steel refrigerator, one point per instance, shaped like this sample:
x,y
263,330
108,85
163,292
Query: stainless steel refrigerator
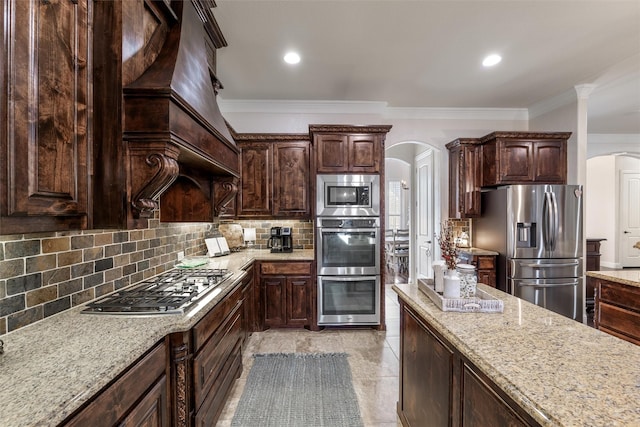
x,y
537,230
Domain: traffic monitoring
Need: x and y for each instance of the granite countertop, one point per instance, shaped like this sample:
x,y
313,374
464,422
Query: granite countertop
x,y
626,277
563,373
478,251
50,368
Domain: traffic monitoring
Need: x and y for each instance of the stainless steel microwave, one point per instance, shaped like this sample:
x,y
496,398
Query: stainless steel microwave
x,y
348,195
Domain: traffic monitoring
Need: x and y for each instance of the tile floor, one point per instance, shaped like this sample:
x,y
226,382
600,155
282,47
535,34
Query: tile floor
x,y
373,359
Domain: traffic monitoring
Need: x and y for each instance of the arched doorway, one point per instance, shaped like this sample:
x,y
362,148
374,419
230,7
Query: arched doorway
x,y
412,190
613,180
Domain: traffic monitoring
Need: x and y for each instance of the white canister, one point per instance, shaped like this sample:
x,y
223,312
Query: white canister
x,y
451,285
438,275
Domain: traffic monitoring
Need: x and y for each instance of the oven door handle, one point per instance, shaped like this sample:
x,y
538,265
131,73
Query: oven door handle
x,y
348,230
348,278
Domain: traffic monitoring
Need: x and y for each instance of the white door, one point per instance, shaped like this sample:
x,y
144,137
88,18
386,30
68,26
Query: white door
x,y
424,178
629,219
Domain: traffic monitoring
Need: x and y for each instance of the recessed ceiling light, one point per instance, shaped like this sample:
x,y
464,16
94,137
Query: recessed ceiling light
x,y
292,58
491,60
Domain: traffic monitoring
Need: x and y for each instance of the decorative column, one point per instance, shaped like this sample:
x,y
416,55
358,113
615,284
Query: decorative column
x,y
583,92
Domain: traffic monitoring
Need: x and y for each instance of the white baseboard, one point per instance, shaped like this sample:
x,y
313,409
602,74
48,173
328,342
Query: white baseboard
x,y
610,264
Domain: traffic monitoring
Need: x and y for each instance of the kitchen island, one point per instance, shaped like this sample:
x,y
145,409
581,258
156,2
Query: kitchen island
x,y
525,366
53,367
617,303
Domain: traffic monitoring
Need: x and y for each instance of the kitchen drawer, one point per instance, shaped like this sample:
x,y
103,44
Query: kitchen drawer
x,y
210,323
621,295
208,363
286,268
484,262
214,402
619,321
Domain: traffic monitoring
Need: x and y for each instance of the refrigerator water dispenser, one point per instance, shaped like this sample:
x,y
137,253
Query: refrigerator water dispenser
x,y
526,233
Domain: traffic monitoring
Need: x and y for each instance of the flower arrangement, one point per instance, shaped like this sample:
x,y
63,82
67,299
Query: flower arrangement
x,y
448,245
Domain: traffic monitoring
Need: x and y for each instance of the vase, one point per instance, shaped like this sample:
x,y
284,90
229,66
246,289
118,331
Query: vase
x,y
451,282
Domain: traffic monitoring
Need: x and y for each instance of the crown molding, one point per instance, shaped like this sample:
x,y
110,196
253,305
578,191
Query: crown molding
x,y
614,138
369,107
433,113
300,107
553,103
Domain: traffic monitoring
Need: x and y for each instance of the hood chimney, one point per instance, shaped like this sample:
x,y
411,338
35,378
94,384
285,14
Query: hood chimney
x,y
172,123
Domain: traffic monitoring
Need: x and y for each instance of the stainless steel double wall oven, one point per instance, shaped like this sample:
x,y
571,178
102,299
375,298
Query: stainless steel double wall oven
x,y
348,249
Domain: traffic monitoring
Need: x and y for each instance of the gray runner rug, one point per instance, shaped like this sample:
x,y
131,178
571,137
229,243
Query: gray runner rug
x,y
298,390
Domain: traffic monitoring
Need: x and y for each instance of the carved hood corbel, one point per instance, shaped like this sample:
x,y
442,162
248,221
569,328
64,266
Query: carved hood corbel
x,y
225,189
153,167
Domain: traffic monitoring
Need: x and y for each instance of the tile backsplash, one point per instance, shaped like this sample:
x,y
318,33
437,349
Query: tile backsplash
x,y
301,231
46,273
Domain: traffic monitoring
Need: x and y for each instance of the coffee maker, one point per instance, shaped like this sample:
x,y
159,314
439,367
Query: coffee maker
x,y
280,240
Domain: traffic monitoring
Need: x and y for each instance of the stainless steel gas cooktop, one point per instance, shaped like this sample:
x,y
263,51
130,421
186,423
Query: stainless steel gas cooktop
x,y
169,293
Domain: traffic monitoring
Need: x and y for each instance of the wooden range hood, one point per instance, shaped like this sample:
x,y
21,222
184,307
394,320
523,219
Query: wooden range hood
x,y
177,142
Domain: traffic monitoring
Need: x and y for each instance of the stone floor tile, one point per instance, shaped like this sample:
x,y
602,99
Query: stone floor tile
x,y
377,398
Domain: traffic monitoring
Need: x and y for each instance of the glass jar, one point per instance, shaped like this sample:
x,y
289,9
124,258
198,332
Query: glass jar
x,y
468,280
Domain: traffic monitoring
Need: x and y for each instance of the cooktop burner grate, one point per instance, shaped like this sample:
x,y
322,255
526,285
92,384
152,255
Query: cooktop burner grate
x,y
171,292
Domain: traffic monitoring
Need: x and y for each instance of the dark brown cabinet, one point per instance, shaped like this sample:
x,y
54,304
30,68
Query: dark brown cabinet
x,y
524,158
45,139
593,264
617,310
139,397
485,269
287,294
440,387
274,176
255,179
465,167
291,179
185,379
248,303
426,375
349,149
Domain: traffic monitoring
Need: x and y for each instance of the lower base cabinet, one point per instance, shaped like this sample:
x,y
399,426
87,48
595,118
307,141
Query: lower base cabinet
x,y
184,380
617,310
288,294
137,398
439,387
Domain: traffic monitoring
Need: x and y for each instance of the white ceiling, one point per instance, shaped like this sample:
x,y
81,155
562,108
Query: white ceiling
x,y
424,53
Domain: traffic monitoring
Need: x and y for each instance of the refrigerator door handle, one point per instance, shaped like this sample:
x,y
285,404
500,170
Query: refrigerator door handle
x,y
549,221
546,220
555,220
548,285
564,264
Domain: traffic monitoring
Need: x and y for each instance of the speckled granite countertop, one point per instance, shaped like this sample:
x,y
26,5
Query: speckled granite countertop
x,y
563,373
52,367
478,251
626,277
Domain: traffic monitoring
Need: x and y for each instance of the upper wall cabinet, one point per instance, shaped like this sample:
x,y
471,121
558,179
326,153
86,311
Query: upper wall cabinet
x,y
465,167
349,149
274,176
46,116
524,158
